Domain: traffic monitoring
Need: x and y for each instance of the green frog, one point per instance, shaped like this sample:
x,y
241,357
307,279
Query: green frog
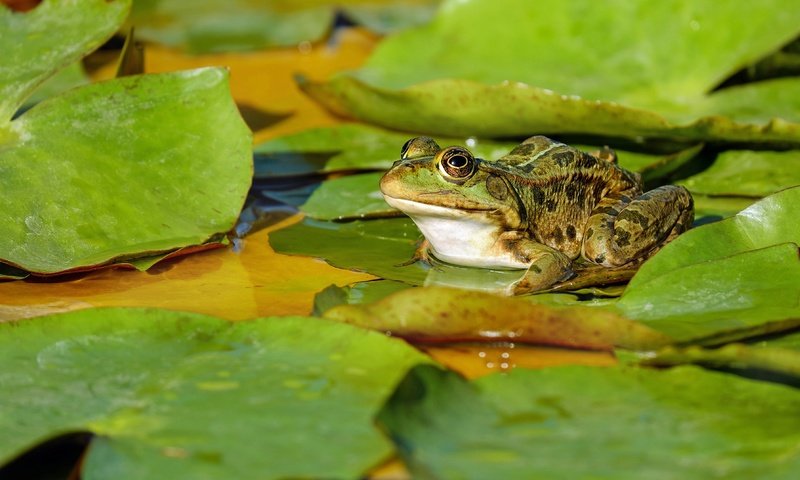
x,y
541,208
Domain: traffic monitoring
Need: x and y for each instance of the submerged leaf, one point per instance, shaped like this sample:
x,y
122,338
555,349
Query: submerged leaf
x,y
39,43
436,314
133,167
584,422
141,379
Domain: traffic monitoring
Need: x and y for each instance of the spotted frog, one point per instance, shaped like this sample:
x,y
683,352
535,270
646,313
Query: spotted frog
x,y
541,208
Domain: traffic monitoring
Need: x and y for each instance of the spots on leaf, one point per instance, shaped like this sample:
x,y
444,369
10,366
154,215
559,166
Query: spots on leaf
x,y
571,233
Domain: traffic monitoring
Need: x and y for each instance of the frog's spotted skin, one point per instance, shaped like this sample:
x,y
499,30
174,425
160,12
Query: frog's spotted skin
x,y
539,207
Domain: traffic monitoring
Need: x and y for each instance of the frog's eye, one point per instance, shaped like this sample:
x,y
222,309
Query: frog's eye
x,y
456,163
419,147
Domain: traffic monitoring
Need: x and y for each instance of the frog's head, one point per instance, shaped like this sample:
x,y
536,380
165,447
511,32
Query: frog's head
x,y
429,181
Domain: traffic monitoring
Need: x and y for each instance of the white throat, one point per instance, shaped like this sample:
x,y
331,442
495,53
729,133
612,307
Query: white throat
x,y
460,237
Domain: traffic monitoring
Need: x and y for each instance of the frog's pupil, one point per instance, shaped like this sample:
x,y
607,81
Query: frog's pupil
x,y
457,161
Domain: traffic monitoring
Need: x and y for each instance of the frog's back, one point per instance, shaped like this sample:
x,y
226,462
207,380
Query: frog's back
x,y
559,187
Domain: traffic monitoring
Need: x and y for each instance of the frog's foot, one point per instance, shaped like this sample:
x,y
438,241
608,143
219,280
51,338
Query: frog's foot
x,y
548,266
622,229
421,254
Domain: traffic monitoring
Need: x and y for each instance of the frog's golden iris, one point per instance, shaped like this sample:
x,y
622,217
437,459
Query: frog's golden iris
x,y
538,208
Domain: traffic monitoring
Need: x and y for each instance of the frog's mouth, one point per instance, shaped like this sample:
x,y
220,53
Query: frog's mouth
x,y
412,207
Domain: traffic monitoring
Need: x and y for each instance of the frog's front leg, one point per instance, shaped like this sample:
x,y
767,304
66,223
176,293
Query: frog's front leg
x,y
547,266
622,229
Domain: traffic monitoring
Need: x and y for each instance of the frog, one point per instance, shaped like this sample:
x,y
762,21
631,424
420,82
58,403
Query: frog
x,y
542,208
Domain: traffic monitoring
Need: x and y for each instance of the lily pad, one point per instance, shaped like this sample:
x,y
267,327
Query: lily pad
x,y
348,198
141,379
590,422
32,51
436,314
90,177
720,300
350,146
465,75
747,173
381,247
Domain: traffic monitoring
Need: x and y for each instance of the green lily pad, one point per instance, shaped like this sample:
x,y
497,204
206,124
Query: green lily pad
x,y
770,221
590,422
595,71
132,167
747,173
348,198
39,43
381,247
713,302
436,314
350,146
265,391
